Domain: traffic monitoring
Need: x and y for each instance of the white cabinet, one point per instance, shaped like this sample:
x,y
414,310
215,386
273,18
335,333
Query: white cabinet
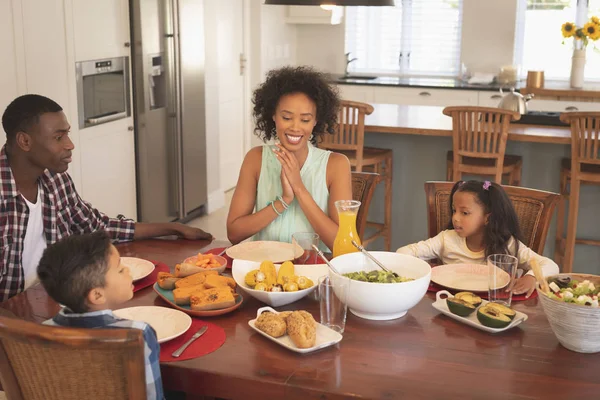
x,y
108,167
362,93
101,29
561,105
489,99
314,15
425,96
12,78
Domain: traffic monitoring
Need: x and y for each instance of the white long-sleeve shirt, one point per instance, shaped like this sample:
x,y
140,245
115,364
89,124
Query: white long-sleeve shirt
x,y
450,248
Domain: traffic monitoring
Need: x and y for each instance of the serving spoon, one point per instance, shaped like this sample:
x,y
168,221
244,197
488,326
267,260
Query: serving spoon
x,y
320,253
380,265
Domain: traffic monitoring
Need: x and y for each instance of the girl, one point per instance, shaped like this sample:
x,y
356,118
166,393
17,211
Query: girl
x,y
483,222
291,186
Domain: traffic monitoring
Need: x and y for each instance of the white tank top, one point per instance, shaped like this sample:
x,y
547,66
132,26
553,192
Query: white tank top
x,y
35,241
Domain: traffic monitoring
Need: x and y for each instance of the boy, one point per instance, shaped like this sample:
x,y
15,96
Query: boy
x,y
84,273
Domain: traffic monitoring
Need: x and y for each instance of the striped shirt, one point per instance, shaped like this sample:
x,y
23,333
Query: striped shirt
x,y
106,319
64,214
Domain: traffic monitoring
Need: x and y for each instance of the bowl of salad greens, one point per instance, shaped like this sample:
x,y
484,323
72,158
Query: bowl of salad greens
x,y
378,295
573,310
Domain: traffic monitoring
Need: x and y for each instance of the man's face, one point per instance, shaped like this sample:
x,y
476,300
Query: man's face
x,y
50,146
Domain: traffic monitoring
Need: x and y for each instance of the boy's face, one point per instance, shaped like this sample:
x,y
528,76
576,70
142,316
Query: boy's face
x,y
119,283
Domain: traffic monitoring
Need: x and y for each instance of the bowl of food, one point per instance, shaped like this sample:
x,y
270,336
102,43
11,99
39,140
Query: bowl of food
x,y
201,262
375,294
573,311
276,284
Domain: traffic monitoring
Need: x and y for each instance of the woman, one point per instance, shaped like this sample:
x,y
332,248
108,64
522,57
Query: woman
x,y
292,185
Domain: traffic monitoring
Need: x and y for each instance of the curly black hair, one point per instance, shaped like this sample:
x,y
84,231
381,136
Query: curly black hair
x,y
286,80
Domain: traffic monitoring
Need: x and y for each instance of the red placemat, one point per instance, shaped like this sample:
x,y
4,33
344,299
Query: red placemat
x,y
434,287
150,279
211,340
218,250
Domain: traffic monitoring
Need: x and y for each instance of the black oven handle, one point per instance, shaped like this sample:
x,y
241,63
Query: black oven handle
x,y
107,118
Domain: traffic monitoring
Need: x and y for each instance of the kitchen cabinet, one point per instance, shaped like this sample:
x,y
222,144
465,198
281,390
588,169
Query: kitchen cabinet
x,y
314,15
425,96
108,167
561,106
101,29
362,93
489,99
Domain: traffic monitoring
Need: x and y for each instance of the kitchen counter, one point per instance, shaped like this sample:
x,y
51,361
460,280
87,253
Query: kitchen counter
x,y
551,88
430,121
421,136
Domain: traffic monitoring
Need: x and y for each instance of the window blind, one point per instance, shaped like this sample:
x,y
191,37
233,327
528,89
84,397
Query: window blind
x,y
539,41
415,37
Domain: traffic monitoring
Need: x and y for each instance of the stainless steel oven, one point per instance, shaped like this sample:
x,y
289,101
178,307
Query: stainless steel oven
x,y
102,90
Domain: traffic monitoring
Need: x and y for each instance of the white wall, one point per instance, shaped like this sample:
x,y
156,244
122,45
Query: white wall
x,y
272,44
488,32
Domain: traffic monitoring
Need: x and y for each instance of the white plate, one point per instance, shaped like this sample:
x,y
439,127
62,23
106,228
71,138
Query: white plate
x,y
139,268
441,305
276,299
465,277
264,250
167,322
325,336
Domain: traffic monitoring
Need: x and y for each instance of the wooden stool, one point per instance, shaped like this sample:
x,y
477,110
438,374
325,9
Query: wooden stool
x,y
582,167
479,136
349,140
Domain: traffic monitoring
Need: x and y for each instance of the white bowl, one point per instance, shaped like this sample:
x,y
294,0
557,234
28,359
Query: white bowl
x,y
382,301
275,299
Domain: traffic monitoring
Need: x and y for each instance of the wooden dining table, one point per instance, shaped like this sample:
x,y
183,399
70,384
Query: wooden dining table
x,y
423,355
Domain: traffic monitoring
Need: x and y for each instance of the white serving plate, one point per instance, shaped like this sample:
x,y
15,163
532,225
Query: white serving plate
x,y
260,251
138,267
441,305
276,299
167,322
325,336
465,277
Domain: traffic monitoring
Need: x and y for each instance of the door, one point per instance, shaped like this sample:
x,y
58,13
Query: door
x,y
230,38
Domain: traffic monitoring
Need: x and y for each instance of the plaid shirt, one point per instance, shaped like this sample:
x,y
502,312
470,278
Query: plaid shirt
x,y
64,214
106,319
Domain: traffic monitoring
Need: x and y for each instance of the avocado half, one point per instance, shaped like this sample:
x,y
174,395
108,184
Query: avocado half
x,y
463,304
490,316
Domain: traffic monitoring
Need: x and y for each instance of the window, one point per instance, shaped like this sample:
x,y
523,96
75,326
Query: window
x,y
539,42
415,37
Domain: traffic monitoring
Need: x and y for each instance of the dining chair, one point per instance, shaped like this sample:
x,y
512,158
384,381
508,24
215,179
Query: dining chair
x,y
52,363
582,168
349,140
363,187
534,210
479,136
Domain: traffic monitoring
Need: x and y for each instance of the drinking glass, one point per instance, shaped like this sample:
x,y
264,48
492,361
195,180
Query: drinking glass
x,y
306,240
332,299
502,270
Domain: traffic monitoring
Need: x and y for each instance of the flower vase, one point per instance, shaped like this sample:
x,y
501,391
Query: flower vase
x,y
577,68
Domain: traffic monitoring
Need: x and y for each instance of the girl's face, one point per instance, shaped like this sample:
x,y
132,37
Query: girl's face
x,y
468,216
295,118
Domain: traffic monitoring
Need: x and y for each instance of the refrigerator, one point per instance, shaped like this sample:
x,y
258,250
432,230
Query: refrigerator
x,y
169,108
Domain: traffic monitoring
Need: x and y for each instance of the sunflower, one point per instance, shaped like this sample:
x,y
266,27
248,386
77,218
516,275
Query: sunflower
x,y
568,29
591,30
595,20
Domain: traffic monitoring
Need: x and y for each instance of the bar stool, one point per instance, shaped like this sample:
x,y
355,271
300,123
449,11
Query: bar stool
x,y
479,136
582,168
349,140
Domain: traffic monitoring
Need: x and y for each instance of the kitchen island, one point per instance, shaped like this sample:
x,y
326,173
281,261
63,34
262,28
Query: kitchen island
x,y
420,137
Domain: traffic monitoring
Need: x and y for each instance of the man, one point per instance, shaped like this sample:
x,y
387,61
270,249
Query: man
x,y
38,201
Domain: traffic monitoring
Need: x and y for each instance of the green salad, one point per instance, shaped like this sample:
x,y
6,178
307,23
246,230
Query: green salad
x,y
572,291
376,276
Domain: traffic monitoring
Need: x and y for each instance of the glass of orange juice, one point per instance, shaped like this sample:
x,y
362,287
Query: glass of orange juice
x,y
347,212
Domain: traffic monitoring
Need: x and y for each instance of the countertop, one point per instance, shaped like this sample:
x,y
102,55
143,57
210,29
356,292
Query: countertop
x,y
592,89
430,121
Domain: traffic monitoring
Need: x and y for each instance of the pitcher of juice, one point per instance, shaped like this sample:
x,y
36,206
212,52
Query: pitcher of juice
x,y
347,212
